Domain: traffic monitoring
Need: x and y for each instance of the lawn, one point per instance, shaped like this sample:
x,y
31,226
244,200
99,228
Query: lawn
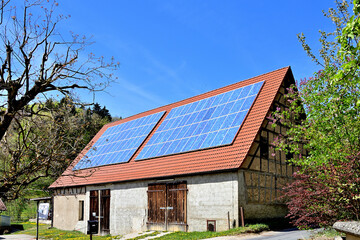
x,y
45,232
52,233
255,228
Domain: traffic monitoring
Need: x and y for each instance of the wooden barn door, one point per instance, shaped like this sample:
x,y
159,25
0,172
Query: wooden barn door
x,y
100,202
105,211
156,203
167,205
94,205
176,203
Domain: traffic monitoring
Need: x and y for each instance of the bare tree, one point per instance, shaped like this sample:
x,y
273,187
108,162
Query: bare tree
x,y
2,7
35,59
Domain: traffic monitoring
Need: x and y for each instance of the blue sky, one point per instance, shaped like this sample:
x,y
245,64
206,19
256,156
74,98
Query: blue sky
x,y
172,50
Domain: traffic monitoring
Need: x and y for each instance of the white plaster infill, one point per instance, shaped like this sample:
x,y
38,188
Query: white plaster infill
x,y
352,229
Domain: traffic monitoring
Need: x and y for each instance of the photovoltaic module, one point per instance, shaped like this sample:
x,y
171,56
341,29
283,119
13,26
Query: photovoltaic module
x,y
207,123
118,143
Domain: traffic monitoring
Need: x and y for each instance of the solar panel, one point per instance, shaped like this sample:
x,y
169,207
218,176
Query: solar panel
x,y
207,123
118,143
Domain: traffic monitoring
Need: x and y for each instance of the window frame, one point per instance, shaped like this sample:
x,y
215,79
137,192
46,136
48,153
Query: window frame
x,y
81,210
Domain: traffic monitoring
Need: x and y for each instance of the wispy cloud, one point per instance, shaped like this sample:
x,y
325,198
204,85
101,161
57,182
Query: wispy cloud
x,y
170,74
129,87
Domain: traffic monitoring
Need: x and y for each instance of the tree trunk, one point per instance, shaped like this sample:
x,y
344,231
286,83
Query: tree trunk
x,y
4,125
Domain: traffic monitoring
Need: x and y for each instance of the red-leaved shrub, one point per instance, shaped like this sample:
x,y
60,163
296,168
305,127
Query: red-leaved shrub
x,y
323,195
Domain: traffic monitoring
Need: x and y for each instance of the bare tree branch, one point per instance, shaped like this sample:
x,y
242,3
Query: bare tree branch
x,y
34,36
36,60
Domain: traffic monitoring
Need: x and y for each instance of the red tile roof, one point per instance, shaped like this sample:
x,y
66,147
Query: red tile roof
x,y
2,206
206,160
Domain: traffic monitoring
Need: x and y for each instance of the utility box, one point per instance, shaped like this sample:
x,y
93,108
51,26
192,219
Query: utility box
x,y
93,227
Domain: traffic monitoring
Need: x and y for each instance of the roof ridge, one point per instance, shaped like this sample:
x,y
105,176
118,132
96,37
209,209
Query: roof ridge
x,y
269,72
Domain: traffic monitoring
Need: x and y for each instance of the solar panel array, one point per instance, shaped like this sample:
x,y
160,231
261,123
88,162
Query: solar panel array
x,y
210,122
118,143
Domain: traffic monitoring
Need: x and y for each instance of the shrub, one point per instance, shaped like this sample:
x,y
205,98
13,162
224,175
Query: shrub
x,y
325,194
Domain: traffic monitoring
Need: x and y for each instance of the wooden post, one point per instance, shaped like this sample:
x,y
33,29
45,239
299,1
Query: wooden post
x,y
242,216
229,220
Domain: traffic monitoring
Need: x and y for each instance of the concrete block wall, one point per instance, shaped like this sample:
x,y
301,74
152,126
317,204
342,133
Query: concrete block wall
x,y
66,212
211,197
128,208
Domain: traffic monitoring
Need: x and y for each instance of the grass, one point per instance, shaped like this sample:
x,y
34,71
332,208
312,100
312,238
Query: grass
x,y
201,235
24,225
53,233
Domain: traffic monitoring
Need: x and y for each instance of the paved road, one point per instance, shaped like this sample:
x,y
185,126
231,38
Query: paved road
x,y
17,237
285,235
291,234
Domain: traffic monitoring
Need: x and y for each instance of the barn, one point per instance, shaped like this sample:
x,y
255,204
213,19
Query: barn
x,y
203,163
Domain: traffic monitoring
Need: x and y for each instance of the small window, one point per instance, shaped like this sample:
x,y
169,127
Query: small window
x,y
211,225
81,210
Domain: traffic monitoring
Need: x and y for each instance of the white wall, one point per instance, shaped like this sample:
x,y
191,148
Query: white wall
x,y
66,213
128,211
209,197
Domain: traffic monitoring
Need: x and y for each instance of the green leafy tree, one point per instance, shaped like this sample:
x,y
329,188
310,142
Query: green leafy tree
x,y
330,133
102,112
42,146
